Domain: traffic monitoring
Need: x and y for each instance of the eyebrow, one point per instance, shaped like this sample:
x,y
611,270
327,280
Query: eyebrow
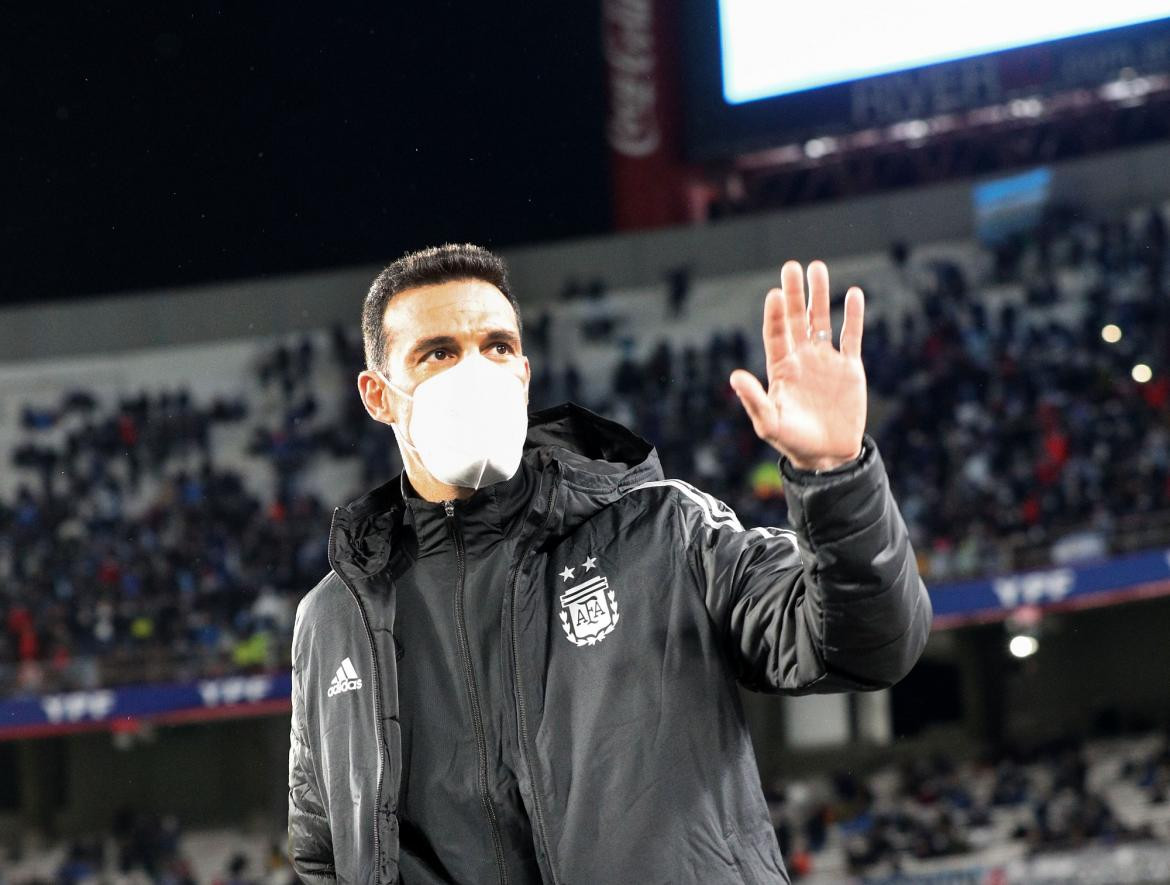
x,y
431,342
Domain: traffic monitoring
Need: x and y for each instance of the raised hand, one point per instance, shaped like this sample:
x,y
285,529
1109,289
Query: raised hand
x,y
814,408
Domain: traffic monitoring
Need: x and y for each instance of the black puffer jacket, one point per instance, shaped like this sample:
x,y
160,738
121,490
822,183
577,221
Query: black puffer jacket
x,y
637,766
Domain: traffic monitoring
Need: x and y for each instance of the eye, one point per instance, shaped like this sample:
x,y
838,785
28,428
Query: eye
x,y
438,350
507,347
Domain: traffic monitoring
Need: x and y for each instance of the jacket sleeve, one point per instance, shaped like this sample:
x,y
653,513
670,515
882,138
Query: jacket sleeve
x,y
310,844
836,605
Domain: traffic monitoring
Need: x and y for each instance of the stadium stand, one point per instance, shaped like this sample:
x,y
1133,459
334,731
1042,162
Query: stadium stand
x,y
1097,808
133,549
168,534
1047,446
1029,812
142,851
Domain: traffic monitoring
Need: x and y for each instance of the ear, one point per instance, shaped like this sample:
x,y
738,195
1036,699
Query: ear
x,y
527,377
376,397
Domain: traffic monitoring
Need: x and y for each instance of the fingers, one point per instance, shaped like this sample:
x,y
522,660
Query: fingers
x,y
818,299
854,321
777,340
801,323
792,280
760,409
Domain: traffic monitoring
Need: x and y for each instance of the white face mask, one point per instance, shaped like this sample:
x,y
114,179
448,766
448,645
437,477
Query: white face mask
x,y
467,423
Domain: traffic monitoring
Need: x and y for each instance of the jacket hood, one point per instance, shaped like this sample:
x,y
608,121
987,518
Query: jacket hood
x,y
593,459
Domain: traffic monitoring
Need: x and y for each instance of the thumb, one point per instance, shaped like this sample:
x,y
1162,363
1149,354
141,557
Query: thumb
x,y
755,401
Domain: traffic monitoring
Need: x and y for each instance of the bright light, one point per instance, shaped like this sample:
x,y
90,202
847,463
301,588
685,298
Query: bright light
x,y
1023,646
1026,107
1141,373
818,147
910,130
1111,333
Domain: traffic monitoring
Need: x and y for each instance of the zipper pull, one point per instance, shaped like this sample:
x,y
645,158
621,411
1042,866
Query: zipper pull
x,y
450,508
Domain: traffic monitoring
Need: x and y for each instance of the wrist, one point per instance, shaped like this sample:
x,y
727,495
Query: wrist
x,y
823,464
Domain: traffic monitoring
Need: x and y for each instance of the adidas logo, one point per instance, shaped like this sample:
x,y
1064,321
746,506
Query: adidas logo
x,y
346,679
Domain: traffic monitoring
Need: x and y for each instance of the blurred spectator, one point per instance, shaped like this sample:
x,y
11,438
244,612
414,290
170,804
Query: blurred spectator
x,y
678,283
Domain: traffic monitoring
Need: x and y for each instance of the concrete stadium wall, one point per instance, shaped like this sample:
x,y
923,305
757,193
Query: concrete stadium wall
x,y
212,774
1106,665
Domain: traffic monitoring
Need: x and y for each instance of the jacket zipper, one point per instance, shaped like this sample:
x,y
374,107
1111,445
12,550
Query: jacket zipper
x,y
520,701
375,690
476,718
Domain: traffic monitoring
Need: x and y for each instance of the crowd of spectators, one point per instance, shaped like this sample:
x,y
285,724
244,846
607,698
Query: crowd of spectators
x,y
1027,424
1006,430
106,579
1041,800
154,848
999,425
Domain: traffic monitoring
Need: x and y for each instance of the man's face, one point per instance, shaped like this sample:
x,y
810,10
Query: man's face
x,y
432,328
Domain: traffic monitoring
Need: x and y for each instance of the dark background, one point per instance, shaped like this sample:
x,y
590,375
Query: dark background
x,y
166,145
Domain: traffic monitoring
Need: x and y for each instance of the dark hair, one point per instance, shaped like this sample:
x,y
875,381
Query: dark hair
x,y
426,267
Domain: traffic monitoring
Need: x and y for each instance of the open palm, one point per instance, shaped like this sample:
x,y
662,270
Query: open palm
x,y
814,408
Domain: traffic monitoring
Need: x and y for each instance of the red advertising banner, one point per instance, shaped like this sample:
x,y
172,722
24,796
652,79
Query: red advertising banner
x,y
643,128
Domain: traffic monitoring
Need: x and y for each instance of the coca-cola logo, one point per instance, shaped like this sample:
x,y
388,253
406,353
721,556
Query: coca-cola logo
x,y
628,44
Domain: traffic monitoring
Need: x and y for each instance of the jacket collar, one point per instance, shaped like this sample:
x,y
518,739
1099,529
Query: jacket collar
x,y
575,460
489,515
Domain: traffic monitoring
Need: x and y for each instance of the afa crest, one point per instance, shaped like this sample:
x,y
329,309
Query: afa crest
x,y
589,611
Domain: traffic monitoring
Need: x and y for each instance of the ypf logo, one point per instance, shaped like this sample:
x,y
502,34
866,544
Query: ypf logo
x,y
589,610
1034,588
78,705
234,690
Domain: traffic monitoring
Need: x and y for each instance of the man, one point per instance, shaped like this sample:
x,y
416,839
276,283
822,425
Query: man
x,y
522,666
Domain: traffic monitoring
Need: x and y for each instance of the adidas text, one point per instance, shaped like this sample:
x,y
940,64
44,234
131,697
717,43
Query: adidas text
x,y
348,685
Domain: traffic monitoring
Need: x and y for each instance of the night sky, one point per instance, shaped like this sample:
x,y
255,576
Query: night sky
x,y
162,146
